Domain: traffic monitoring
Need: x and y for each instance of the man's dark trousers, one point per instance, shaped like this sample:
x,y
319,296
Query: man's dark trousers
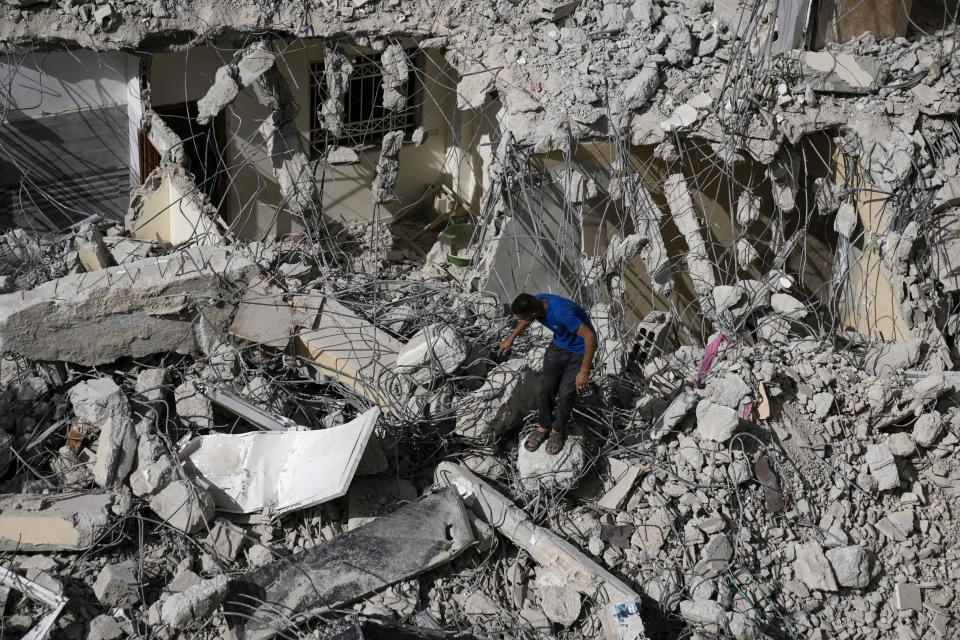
x,y
560,368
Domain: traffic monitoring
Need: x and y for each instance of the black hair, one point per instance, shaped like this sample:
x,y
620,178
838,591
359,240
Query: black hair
x,y
525,305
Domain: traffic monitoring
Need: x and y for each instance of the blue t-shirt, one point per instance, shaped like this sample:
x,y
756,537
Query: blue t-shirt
x,y
564,317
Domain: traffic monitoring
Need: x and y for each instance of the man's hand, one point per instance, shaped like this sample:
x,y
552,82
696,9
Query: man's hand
x,y
583,378
505,347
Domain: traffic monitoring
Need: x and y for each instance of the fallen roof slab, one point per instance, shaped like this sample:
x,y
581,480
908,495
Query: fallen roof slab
x,y
567,565
278,471
52,523
135,309
357,353
264,318
407,542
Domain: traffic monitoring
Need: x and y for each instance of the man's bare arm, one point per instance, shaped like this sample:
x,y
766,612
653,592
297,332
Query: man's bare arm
x,y
589,348
506,345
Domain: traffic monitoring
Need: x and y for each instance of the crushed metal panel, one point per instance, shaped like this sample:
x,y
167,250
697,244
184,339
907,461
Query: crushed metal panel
x,y
278,471
34,591
264,318
409,541
351,349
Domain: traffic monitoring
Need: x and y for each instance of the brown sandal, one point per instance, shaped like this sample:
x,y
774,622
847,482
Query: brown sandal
x,y
535,439
555,443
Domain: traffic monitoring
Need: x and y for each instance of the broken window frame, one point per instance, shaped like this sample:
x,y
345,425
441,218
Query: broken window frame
x,y
366,131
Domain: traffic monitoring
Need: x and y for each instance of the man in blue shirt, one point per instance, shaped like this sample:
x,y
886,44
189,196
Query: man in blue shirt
x,y
566,365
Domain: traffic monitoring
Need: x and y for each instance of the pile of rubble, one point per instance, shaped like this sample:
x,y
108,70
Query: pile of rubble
x,y
225,440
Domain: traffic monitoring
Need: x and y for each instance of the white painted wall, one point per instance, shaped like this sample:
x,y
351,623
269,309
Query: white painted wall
x,y
41,84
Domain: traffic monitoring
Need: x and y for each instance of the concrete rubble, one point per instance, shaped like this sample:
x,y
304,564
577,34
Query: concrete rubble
x,y
251,309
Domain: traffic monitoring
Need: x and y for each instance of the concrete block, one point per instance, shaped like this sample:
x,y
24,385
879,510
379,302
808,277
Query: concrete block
x,y
195,603
183,506
193,407
434,351
52,523
883,466
510,391
116,585
716,422
561,471
851,564
812,568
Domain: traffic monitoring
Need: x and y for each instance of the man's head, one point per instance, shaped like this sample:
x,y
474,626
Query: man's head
x,y
526,307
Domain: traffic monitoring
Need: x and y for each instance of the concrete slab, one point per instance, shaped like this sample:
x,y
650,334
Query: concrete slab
x,y
134,309
52,523
344,346
265,319
278,472
409,541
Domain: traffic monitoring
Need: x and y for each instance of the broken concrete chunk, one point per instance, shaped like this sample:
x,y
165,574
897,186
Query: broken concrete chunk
x,y
540,469
728,390
883,467
701,611
788,306
183,506
509,392
195,603
620,483
117,585
218,97
341,156
716,422
436,350
225,539
888,359
473,89
98,400
851,565
560,604
715,556
116,451
52,523
812,568
396,71
927,429
135,309
255,62
748,209
91,249
106,627
194,408
841,72
846,221
434,531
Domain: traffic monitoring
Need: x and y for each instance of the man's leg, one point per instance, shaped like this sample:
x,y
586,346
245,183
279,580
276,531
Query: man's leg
x,y
567,391
553,368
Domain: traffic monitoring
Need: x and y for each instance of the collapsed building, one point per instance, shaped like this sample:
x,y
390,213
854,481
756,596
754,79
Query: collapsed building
x,y
255,265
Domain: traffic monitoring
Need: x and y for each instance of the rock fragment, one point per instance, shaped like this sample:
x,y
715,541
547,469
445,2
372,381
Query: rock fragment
x,y
116,585
812,568
851,565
